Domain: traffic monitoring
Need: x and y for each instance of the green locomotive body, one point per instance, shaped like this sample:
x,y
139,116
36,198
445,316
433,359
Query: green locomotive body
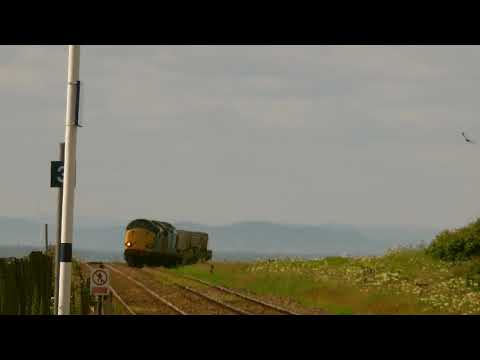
x,y
157,243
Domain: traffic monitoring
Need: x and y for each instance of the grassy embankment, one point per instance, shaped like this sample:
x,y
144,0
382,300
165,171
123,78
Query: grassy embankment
x,y
405,281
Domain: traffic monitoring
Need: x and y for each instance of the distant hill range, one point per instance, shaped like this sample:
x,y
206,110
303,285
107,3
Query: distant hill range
x,y
237,241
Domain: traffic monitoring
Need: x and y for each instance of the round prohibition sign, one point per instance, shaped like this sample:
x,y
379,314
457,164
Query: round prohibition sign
x,y
99,277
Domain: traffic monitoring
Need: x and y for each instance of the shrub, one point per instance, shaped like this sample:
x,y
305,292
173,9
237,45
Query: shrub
x,y
457,245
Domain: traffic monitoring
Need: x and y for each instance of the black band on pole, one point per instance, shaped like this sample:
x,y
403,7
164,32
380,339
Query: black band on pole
x,y
65,253
77,105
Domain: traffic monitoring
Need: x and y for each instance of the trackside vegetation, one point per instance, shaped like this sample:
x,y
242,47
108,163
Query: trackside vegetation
x,y
443,278
81,300
458,244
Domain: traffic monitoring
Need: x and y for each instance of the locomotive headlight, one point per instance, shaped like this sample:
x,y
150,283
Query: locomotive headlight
x,y
128,244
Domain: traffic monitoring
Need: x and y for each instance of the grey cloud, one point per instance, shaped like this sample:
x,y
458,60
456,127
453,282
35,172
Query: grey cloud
x,y
357,134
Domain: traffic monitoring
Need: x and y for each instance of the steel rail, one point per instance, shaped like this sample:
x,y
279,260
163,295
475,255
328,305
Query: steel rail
x,y
216,301
272,306
152,293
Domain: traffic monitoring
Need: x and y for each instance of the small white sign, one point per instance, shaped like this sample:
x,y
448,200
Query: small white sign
x,y
100,282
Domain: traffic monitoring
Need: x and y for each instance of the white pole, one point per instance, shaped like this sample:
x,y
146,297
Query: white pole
x,y
68,183
59,233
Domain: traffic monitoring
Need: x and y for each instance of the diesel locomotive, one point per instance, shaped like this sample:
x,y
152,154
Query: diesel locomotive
x,y
158,243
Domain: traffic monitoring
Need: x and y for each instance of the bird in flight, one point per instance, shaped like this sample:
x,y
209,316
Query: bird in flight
x,y
467,139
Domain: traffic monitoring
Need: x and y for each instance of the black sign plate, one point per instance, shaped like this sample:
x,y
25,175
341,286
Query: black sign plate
x,y
56,174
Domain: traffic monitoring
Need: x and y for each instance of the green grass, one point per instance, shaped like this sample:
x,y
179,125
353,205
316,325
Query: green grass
x,y
80,292
406,281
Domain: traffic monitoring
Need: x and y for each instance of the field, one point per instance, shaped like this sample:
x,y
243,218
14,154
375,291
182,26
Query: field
x,y
405,281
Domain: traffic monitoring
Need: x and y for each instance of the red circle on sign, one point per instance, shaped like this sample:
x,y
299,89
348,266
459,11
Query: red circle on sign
x,y
99,277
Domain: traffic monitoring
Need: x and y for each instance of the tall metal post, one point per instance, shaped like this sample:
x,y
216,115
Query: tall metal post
x,y
65,254
59,233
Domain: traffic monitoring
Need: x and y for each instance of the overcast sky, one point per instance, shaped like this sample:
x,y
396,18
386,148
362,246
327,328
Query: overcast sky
x,y
219,134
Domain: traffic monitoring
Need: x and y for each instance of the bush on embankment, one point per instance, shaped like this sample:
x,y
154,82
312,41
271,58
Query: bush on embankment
x,y
457,245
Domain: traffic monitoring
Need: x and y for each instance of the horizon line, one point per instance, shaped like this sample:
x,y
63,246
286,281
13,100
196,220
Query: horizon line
x,y
118,222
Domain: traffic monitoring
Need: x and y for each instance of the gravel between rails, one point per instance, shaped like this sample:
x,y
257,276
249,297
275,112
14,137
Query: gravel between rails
x,y
190,303
149,291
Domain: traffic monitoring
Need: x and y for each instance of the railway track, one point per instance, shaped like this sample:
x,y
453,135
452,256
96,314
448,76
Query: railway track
x,y
149,291
236,301
156,292
190,301
236,293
